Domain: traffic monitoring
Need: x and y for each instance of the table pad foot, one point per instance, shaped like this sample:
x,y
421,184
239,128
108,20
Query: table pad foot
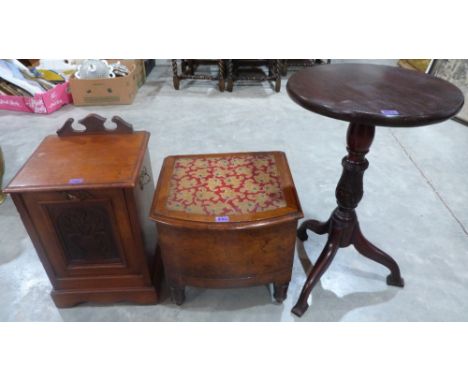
x,y
300,308
395,281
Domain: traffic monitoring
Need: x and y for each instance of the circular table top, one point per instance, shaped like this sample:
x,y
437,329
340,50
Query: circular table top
x,y
375,94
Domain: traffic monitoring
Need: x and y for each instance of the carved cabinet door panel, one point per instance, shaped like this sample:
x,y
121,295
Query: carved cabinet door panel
x,y
86,233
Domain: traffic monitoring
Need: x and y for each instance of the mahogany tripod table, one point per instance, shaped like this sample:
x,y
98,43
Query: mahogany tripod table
x,y
365,95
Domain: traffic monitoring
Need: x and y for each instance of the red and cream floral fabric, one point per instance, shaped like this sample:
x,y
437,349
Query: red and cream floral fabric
x,y
239,184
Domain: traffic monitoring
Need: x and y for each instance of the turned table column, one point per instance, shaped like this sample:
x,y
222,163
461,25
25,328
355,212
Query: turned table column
x,y
343,226
365,96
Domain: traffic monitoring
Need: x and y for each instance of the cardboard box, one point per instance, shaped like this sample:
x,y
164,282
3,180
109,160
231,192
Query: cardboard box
x,y
43,103
140,71
104,91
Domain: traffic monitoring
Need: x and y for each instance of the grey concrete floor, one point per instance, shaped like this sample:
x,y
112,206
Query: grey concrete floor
x,y
414,207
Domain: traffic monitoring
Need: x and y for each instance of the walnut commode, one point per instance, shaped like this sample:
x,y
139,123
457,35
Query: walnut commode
x,y
226,220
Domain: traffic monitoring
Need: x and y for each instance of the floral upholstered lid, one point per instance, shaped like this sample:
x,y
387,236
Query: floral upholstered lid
x,y
224,188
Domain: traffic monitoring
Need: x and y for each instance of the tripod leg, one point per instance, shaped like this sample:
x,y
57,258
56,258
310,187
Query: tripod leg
x,y
369,250
323,262
319,228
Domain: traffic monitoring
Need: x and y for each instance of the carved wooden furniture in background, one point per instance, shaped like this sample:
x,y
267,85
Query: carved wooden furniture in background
x,y
189,72
302,63
84,198
226,220
366,96
251,70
